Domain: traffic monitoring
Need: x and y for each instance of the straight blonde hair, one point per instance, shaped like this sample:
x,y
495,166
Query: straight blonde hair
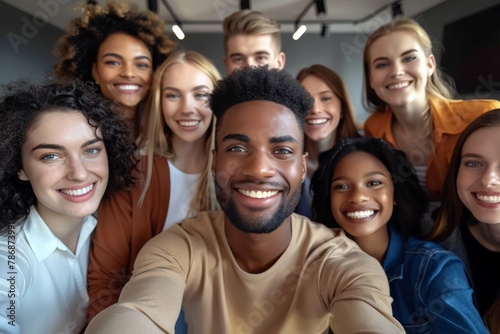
x,y
157,138
251,22
438,83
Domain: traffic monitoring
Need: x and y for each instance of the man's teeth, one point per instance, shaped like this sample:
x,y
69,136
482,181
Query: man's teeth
x,y
78,192
188,123
360,214
128,87
317,121
399,85
488,199
258,193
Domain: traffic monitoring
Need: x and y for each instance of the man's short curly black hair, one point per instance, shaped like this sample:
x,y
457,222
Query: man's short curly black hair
x,y
77,50
261,84
21,105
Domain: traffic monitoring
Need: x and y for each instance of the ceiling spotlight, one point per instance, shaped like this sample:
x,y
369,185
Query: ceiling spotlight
x,y
396,9
178,32
244,4
320,8
299,32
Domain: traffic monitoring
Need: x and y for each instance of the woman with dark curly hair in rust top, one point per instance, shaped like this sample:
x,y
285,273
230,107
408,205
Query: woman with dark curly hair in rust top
x,y
117,48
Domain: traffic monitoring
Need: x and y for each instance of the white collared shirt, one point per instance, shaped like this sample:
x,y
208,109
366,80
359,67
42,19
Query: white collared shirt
x,y
43,284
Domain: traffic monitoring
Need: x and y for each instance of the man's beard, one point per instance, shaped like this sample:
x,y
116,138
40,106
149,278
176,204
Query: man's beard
x,y
257,225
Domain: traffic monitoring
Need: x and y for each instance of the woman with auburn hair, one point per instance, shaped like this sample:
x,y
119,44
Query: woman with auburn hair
x,y
412,104
117,48
175,180
471,205
330,119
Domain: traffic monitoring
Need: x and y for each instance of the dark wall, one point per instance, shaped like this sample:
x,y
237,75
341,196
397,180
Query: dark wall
x,y
25,45
449,11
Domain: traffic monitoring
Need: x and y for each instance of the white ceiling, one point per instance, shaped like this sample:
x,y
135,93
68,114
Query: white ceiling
x,y
207,15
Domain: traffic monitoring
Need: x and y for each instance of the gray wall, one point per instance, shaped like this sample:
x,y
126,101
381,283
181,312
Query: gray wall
x,y
32,57
25,45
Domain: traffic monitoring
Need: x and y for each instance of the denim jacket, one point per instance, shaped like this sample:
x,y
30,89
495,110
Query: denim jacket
x,y
429,286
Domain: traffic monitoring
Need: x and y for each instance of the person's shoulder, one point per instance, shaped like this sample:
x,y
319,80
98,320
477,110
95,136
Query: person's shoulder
x,y
203,220
433,268
318,236
159,163
376,124
16,254
469,106
429,249
205,225
191,238
376,117
304,224
453,116
13,239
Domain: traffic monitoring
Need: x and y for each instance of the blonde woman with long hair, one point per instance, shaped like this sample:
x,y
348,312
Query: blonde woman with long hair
x,y
413,108
411,102
174,180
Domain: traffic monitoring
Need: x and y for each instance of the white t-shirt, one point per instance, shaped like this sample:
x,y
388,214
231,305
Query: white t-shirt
x,y
182,189
43,284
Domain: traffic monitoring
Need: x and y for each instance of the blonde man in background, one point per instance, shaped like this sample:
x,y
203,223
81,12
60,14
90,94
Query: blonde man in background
x,y
250,38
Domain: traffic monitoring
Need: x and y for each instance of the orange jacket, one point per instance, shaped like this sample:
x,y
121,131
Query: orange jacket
x,y
449,118
122,229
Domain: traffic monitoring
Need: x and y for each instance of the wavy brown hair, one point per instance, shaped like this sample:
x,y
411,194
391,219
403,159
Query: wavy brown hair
x,y
346,127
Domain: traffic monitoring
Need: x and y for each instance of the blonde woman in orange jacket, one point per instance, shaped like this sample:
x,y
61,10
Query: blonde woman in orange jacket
x,y
411,103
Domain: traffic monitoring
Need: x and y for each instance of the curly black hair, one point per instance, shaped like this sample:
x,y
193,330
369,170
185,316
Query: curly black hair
x,y
77,50
412,201
21,105
260,84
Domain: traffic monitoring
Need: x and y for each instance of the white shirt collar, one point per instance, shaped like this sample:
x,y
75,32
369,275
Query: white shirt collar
x,y
43,242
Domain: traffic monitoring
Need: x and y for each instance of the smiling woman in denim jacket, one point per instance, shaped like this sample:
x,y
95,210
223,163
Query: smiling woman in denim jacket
x,y
374,195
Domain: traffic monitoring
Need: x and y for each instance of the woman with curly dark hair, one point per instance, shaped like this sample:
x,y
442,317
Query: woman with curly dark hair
x,y
63,149
117,48
372,192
